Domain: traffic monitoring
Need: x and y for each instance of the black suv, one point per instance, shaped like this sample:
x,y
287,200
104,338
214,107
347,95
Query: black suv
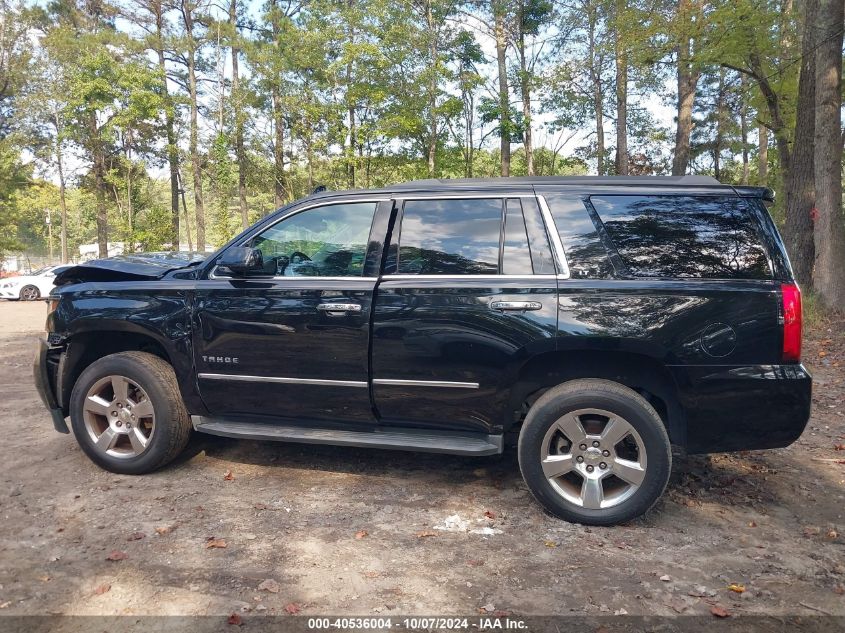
x,y
593,321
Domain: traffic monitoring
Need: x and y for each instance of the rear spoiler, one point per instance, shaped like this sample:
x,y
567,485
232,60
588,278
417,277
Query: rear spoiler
x,y
767,194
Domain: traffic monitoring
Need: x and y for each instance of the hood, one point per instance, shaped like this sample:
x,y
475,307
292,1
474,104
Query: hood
x,y
127,268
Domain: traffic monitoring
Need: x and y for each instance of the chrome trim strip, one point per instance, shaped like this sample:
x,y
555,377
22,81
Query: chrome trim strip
x,y
290,381
425,383
211,275
405,276
557,245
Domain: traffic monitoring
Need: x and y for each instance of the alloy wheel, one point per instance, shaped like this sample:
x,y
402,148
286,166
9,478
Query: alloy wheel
x,y
593,458
119,417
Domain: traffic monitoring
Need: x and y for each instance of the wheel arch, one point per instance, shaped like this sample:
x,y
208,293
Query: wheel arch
x,y
87,345
644,374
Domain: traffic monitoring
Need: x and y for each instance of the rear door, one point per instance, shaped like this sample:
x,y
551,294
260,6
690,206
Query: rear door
x,y
469,292
293,341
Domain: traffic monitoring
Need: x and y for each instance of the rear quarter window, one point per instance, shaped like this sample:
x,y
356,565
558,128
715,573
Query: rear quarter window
x,y
706,237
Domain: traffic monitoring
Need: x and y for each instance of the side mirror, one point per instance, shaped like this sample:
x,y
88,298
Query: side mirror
x,y
239,261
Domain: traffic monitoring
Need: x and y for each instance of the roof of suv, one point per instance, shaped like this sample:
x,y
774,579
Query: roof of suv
x,y
433,185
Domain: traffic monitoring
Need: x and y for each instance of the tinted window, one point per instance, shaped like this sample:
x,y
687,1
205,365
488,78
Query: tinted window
x,y
684,236
450,237
541,251
516,256
328,241
585,254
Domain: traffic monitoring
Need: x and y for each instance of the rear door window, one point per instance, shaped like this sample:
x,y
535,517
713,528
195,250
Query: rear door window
x,y
450,237
708,237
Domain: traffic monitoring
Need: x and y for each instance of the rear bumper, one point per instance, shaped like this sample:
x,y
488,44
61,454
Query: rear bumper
x,y
45,387
743,408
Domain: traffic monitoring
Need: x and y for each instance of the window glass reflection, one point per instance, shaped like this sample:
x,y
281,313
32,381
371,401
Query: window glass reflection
x,y
329,241
450,237
684,236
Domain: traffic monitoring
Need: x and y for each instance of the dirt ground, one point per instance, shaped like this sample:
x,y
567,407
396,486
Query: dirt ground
x,y
323,530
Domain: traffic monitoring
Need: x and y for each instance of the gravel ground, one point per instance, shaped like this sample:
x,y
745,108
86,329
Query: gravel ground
x,y
247,527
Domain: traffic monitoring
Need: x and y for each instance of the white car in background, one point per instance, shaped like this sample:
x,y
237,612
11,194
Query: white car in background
x,y
30,287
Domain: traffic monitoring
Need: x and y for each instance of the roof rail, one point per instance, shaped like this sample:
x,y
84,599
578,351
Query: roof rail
x,y
564,180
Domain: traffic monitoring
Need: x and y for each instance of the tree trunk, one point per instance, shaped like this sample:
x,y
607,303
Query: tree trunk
x,y
157,10
829,233
504,99
432,89
743,129
280,195
687,82
351,108
62,194
525,88
193,142
598,93
621,93
240,155
720,133
798,181
762,155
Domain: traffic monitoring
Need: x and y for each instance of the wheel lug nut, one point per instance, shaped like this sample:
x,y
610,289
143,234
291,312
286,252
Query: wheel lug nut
x,y
602,465
119,423
583,447
119,405
596,443
606,453
579,459
114,413
590,469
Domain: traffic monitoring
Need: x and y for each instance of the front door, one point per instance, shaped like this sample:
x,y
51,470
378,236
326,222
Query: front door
x,y
292,342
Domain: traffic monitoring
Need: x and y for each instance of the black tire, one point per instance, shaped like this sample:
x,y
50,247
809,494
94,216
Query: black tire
x,y
30,293
172,423
614,398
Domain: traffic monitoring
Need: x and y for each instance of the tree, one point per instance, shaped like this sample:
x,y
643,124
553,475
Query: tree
x,y
687,19
829,231
621,57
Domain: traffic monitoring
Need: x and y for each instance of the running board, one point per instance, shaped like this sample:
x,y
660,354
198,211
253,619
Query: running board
x,y
393,438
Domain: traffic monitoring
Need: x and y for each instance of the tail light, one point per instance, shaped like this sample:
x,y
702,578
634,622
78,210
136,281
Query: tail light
x,y
791,296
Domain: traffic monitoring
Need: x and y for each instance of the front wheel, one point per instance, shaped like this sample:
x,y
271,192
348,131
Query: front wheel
x,y
127,413
30,293
594,452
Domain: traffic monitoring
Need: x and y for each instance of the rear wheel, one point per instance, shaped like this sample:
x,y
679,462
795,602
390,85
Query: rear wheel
x,y
127,413
595,452
30,293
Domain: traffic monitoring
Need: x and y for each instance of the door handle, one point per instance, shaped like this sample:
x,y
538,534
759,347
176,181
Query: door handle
x,y
338,309
515,305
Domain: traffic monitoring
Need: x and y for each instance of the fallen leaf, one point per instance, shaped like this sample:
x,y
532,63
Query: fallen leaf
x,y
550,544
235,620
666,578
475,563
831,533
822,353
269,585
136,536
260,506
370,574
101,589
212,542
45,578
489,608
161,531
229,476
361,534
489,514
292,608
719,611
811,530
839,590
839,447
752,524
117,555
426,534
736,587
6,605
